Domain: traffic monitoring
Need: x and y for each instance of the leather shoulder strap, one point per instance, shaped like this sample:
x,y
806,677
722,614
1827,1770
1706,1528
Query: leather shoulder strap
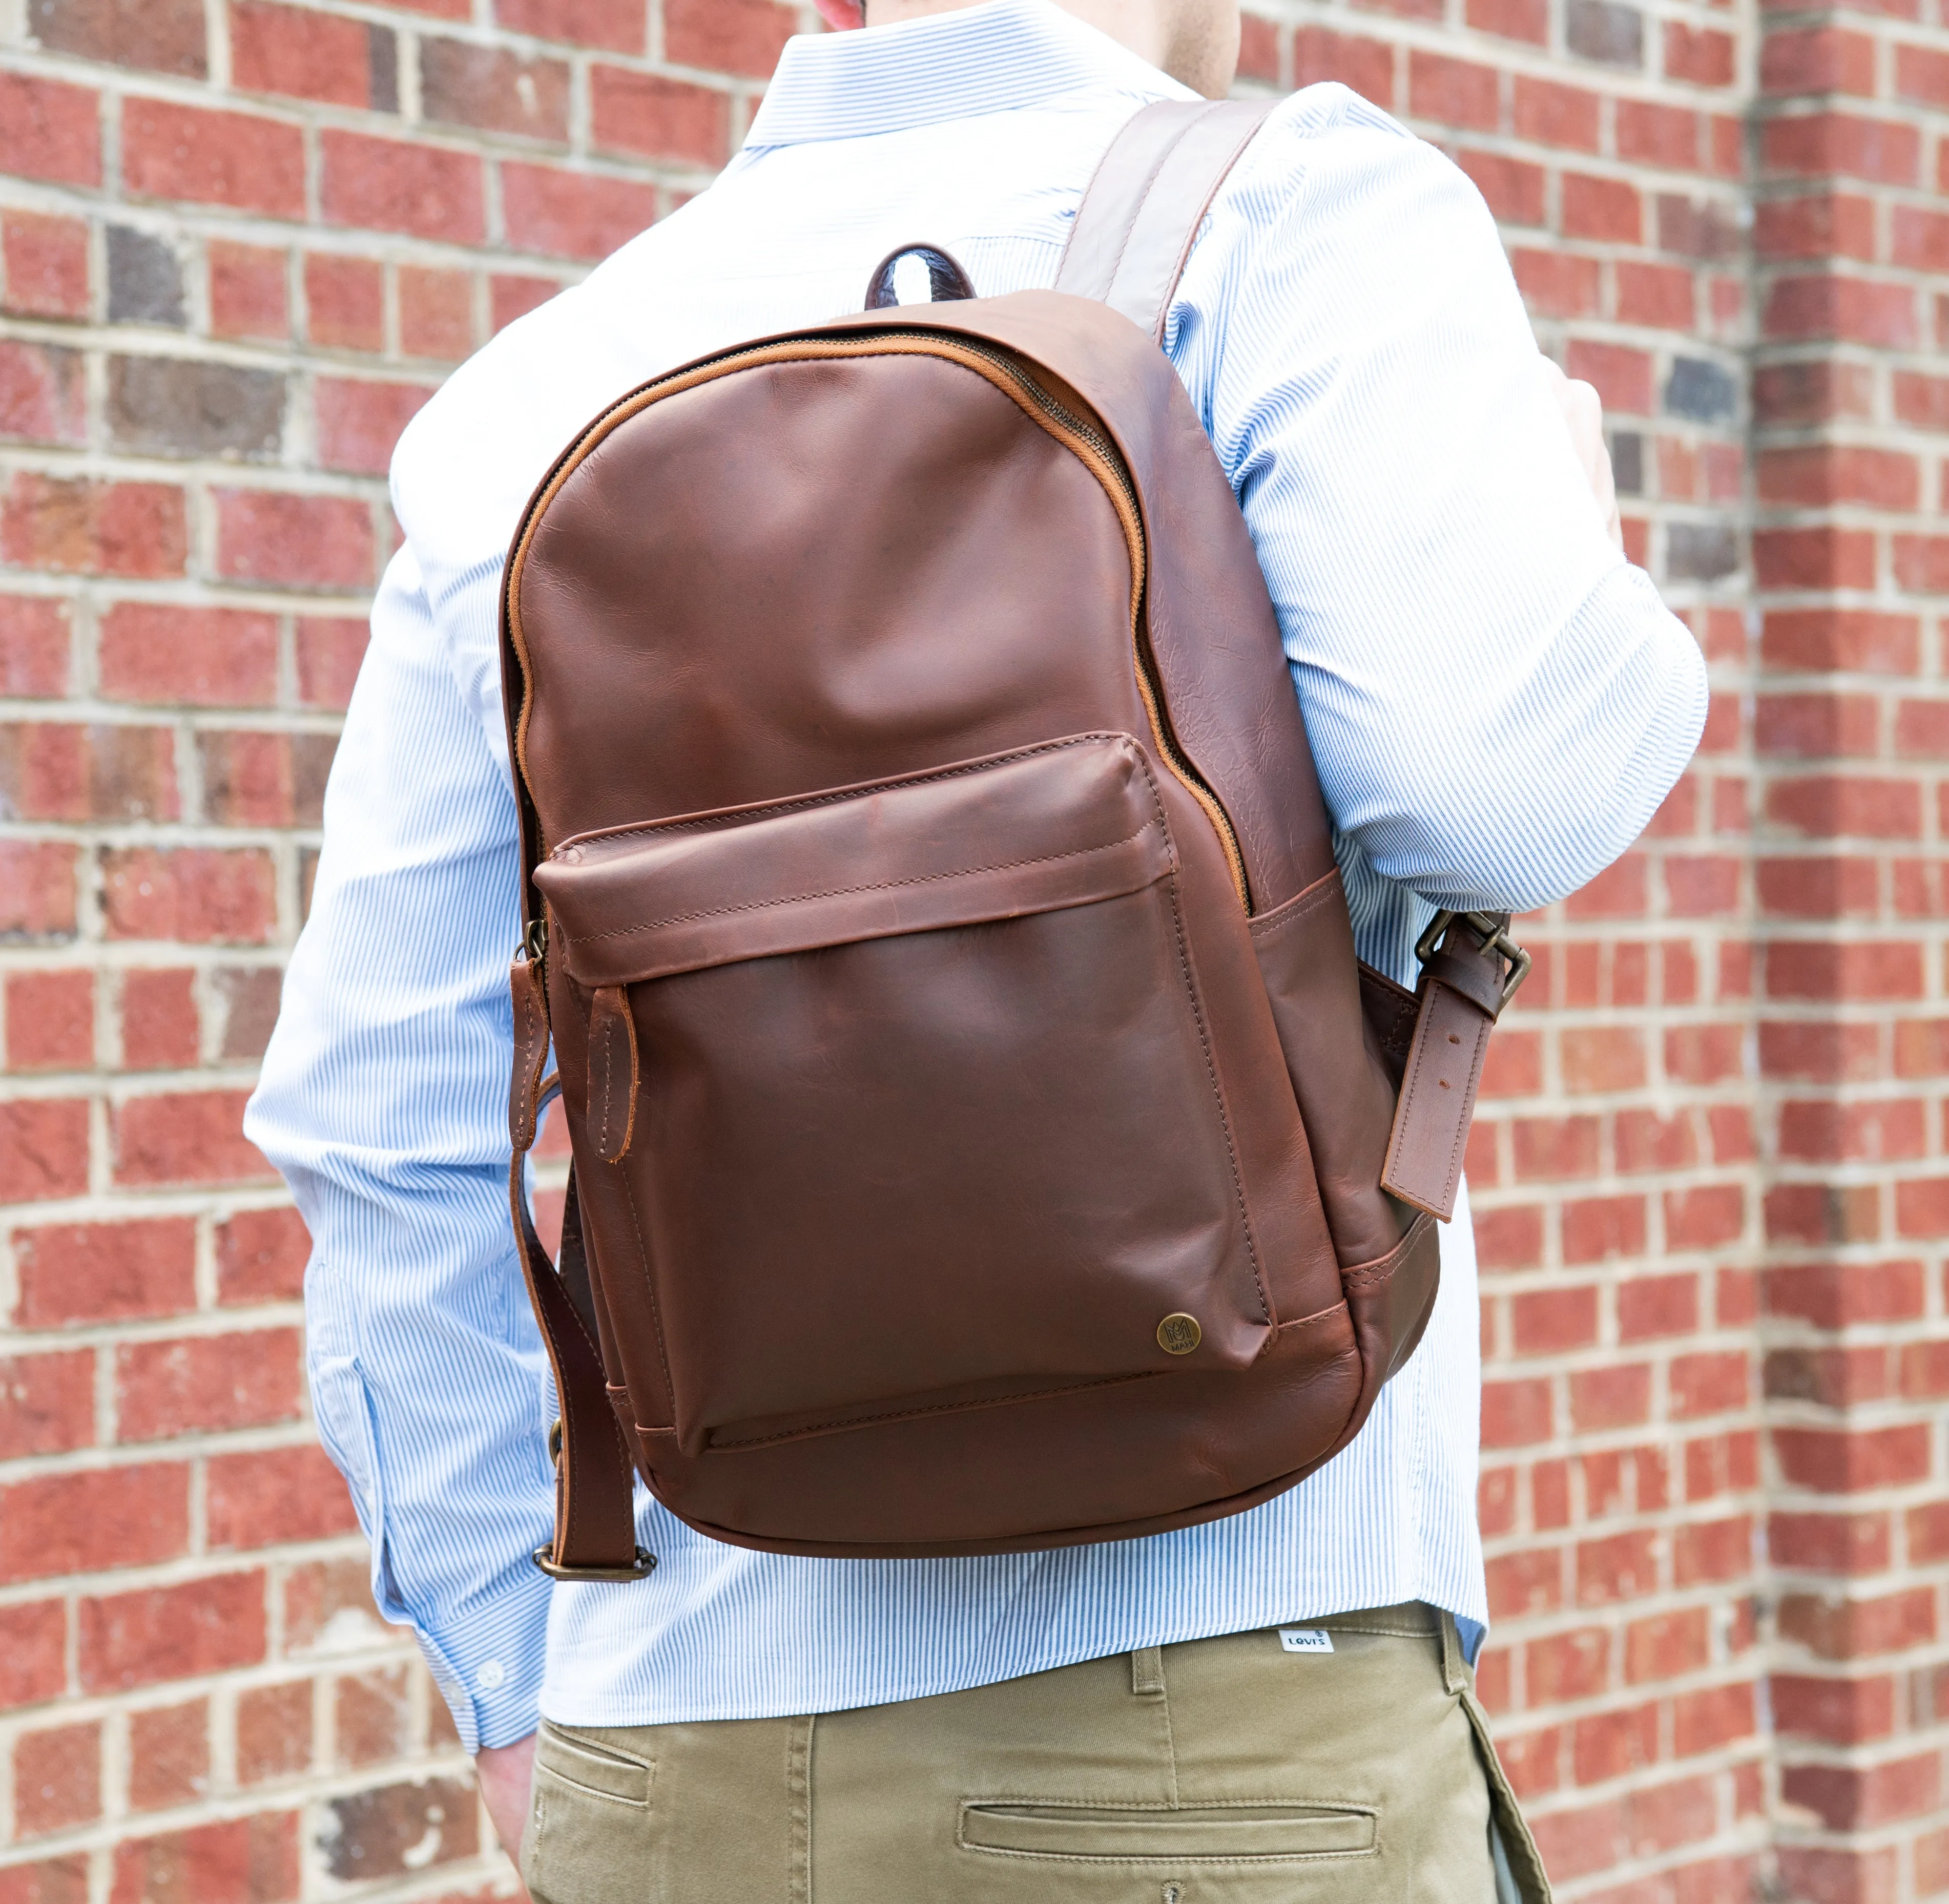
x,y
1143,208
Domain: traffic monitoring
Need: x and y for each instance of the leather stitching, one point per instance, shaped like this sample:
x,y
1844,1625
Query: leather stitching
x,y
938,1408
848,892
1218,1094
744,816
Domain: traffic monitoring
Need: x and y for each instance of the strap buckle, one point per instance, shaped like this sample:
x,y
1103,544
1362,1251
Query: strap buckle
x,y
1493,929
645,1565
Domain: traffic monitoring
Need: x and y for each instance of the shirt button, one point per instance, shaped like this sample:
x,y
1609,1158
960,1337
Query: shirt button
x,y
492,1675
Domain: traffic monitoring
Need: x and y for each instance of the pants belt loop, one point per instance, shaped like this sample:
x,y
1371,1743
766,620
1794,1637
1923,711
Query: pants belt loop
x,y
1454,1667
1147,1672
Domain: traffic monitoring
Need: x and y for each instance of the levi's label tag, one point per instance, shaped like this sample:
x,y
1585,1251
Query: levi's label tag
x,y
1305,1639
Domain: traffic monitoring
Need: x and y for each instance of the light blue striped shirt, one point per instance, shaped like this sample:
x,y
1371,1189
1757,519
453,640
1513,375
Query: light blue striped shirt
x,y
1497,700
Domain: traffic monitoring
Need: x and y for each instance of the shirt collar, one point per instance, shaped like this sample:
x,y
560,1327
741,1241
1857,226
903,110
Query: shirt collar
x,y
991,58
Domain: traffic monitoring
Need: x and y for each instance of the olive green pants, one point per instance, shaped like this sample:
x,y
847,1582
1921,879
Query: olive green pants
x,y
1228,1771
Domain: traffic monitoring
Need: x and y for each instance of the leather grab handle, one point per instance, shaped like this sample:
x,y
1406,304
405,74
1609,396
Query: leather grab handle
x,y
947,283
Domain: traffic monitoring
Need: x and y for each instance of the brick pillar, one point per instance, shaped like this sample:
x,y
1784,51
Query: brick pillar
x,y
1852,427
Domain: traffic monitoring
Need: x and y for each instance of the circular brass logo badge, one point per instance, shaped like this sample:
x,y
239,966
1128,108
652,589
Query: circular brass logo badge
x,y
1179,1334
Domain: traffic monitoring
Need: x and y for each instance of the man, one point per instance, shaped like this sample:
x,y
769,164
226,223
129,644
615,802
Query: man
x,y
1119,1720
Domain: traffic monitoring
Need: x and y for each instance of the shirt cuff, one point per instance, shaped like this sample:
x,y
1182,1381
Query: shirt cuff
x,y
489,1667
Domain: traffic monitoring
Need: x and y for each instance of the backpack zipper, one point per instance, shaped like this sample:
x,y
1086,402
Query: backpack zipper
x,y
1089,444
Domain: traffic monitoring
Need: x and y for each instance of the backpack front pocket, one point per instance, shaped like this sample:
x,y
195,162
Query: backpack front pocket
x,y
916,1071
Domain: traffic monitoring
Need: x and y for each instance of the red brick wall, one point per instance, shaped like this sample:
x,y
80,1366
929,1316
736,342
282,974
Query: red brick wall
x,y
239,242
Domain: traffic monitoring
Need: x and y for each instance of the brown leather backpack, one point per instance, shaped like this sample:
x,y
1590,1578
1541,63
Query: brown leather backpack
x,y
985,1138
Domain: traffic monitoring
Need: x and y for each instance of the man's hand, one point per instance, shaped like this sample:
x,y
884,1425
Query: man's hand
x,y
505,1772
1583,411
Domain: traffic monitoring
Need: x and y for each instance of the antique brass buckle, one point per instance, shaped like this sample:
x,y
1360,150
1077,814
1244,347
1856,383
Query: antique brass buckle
x,y
1493,929
646,1564
645,1560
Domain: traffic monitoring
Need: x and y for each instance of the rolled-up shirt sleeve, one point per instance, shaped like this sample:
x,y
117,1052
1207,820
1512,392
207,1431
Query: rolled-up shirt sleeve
x,y
381,1103
1497,700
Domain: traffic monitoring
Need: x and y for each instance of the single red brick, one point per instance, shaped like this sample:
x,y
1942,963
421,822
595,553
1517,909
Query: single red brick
x,y
329,651
1452,92
158,655
43,1148
743,36
1509,1238
34,647
1564,1667
87,1272
1608,209
299,51
1667,1645
1598,1228
1864,971
1857,1797
299,541
1814,475
328,1603
185,1137
1558,284
1549,1322
615,25
1555,1146
512,297
1855,310
1842,1461
572,214
240,1379
1709,1382
46,259
1818,60
56,1778
274,1725
49,130
1604,1399
1522,19
1883,1130
248,293
41,400
1705,1217
1721,1464
1830,1543
1882,151
656,118
169,1755
372,1715
74,526
1658,296
359,422
223,158
160,1028
1700,54
1531,1582
191,895
240,1861
1551,113
435,313
388,185
49,1402
141,1638
50,1021
463,83
1623,378
1921,564
33,1650
1834,1627
1614,1743
1621,1568
270,1496
85,1520
1601,1058
1515,1414
1513,188
345,302
1366,65
1657,1306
